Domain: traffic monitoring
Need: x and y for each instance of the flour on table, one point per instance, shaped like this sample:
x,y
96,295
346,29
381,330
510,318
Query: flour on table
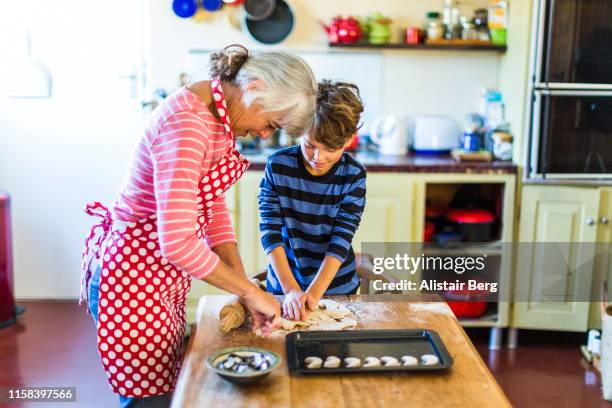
x,y
436,307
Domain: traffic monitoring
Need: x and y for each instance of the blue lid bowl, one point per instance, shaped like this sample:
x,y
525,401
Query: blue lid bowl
x,y
184,8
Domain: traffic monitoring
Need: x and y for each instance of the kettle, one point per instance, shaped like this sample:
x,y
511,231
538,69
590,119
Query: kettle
x,y
390,133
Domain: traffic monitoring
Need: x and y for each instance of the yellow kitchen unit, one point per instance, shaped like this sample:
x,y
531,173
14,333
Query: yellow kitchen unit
x,y
552,292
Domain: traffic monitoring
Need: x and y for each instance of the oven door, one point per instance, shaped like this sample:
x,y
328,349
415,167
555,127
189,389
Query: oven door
x,y
571,135
574,50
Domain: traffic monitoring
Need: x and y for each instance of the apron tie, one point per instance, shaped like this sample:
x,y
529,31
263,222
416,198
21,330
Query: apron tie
x,y
97,234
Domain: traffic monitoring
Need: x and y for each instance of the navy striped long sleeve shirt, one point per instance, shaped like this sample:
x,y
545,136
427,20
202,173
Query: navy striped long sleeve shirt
x,y
311,217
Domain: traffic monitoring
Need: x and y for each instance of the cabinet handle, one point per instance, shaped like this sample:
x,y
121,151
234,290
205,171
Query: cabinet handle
x,y
604,220
590,222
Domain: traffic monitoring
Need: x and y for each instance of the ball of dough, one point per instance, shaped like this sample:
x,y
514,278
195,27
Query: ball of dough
x,y
313,362
352,362
409,361
332,362
372,362
389,361
429,359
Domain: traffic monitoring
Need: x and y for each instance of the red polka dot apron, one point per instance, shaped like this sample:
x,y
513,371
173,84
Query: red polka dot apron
x,y
141,309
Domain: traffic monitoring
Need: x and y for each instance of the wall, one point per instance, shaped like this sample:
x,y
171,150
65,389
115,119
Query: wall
x,y
58,153
407,82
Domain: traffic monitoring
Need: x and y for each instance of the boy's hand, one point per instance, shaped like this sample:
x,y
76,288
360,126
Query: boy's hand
x,y
312,301
294,306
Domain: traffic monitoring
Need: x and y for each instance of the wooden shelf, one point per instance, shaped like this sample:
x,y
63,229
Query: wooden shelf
x,y
400,46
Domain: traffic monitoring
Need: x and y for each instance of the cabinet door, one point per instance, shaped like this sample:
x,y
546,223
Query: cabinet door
x,y
603,261
551,214
388,215
249,243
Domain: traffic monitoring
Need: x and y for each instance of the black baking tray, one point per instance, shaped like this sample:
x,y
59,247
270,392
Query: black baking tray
x,y
364,343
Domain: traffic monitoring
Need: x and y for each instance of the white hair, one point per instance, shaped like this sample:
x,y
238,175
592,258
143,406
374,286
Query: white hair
x,y
289,86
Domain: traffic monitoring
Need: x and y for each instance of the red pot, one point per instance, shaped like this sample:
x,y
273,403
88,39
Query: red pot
x,y
466,303
343,30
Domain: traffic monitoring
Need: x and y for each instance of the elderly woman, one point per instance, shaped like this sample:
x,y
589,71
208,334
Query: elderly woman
x,y
170,223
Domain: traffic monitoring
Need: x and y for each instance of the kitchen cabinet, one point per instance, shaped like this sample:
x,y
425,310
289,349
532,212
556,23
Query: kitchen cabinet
x,y
388,216
603,262
557,215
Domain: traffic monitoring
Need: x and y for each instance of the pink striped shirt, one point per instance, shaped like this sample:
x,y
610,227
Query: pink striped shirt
x,y
182,141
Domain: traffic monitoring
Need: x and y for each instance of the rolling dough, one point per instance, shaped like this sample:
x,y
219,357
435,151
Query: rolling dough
x,y
352,362
389,361
332,362
313,362
429,359
409,361
372,362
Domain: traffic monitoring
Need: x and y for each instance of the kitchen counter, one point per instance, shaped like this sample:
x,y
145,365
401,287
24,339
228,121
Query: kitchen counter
x,y
468,382
411,163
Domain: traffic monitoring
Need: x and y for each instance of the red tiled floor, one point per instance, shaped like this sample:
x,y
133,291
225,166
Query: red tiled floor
x,y
54,345
546,370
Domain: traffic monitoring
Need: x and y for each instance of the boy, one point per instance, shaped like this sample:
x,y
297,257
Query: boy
x,y
310,203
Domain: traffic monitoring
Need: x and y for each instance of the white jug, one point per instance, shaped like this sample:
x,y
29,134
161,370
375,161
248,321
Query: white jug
x,y
390,133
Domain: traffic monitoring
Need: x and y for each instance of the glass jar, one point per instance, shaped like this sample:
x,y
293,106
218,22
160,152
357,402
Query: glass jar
x,y
469,31
435,28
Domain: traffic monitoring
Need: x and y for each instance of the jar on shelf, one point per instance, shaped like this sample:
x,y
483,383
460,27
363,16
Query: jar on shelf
x,y
469,31
435,28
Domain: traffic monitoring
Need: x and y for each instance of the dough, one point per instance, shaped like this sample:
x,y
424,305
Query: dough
x,y
330,315
409,361
429,359
333,309
352,362
332,362
289,325
390,361
372,362
345,323
313,362
231,316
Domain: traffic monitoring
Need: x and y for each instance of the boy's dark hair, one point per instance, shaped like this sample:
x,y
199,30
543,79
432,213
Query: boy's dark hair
x,y
337,113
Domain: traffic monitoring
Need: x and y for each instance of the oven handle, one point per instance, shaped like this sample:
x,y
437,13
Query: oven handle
x,y
539,50
559,92
535,134
549,40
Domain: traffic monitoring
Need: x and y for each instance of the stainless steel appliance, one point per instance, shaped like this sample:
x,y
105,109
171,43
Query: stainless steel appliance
x,y
570,92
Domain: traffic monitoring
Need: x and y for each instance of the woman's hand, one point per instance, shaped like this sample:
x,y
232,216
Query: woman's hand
x,y
264,309
294,306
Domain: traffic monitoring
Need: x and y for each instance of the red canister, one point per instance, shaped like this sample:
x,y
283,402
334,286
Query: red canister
x,y
7,302
414,35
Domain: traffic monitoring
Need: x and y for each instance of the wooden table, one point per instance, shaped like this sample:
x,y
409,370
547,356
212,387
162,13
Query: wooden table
x,y
468,383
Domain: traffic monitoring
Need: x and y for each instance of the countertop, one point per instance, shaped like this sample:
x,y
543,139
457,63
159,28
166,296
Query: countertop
x,y
411,163
468,382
